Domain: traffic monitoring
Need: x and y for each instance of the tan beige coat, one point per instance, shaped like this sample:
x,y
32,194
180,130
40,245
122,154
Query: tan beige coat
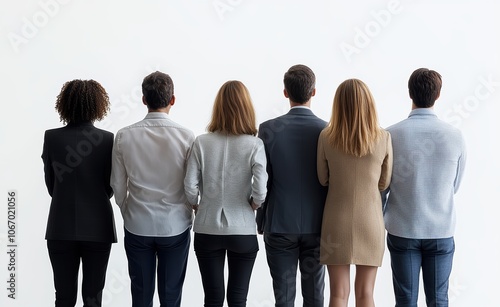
x,y
353,227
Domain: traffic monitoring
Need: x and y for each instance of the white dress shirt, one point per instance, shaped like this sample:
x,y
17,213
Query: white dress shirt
x,y
226,171
149,162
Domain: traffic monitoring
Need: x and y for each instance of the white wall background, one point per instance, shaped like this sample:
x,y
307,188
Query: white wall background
x,y
201,44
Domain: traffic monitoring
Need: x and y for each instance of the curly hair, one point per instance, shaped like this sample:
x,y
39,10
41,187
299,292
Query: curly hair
x,y
81,101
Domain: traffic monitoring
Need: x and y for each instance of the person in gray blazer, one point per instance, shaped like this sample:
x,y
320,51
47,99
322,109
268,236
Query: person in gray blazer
x,y
225,182
290,217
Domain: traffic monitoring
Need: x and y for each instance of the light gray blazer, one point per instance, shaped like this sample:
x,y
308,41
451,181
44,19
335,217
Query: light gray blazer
x,y
226,172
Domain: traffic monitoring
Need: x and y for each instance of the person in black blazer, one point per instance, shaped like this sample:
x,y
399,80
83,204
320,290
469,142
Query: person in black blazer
x,y
77,166
291,216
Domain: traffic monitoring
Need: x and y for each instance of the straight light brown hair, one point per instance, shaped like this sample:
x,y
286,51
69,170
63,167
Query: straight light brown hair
x,y
354,127
233,111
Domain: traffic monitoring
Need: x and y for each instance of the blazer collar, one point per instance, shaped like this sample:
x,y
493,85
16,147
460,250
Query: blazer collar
x,y
300,111
79,124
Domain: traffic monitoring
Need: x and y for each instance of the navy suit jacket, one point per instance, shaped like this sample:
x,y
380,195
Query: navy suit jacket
x,y
295,198
77,165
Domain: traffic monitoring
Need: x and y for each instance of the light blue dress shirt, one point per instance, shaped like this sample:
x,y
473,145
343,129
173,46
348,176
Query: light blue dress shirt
x,y
429,160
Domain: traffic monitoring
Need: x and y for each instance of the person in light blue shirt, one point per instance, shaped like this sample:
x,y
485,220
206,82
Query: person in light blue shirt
x,y
419,209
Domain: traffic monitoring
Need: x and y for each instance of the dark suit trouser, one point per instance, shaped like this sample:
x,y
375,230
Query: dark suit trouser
x,y
143,254
65,257
284,251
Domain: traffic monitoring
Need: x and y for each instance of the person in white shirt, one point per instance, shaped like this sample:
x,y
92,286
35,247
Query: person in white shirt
x,y
148,167
227,170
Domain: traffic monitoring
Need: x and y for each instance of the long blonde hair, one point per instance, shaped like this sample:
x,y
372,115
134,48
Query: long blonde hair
x,y
233,111
354,126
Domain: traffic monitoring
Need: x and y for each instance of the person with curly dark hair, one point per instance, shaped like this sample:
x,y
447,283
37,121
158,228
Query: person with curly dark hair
x,y
77,165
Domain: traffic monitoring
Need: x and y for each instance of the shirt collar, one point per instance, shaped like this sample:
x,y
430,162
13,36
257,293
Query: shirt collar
x,y
423,112
156,115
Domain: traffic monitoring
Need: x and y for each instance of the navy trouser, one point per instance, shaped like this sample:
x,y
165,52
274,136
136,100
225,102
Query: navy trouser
x,y
286,251
433,256
211,253
65,257
143,253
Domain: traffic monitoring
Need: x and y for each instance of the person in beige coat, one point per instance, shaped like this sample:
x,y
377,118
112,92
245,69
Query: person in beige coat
x,y
355,162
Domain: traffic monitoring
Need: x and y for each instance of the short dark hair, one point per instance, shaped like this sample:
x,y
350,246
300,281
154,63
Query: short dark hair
x,y
158,90
299,82
82,101
424,86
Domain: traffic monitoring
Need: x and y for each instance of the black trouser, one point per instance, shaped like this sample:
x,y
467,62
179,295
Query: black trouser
x,y
65,257
211,253
284,252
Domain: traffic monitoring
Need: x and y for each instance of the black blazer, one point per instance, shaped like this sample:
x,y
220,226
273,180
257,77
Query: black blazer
x,y
77,165
295,198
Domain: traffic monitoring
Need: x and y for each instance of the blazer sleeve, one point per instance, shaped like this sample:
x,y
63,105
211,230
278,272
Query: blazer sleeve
x,y
259,173
47,166
386,173
322,162
260,216
193,178
107,170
